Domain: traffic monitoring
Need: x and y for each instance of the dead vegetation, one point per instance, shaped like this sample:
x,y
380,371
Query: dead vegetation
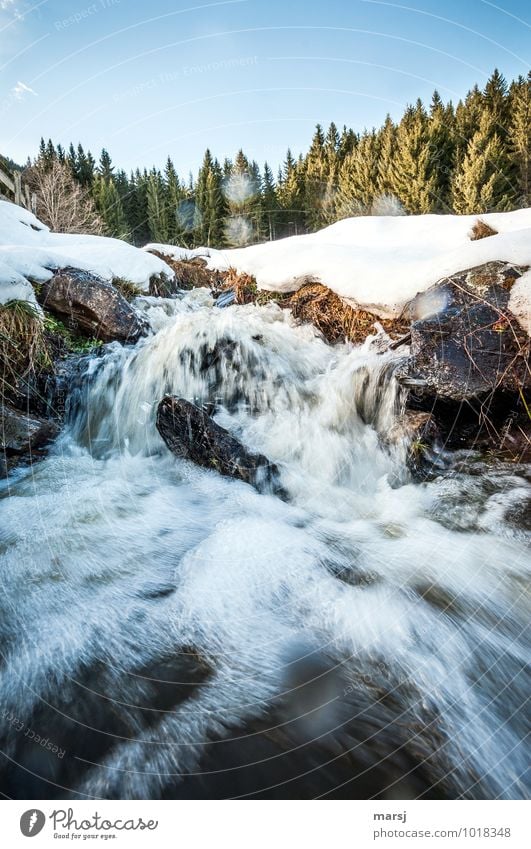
x,y
337,321
481,230
24,349
246,290
189,274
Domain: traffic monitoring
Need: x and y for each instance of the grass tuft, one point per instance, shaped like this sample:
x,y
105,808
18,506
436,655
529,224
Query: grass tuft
x,y
24,350
126,288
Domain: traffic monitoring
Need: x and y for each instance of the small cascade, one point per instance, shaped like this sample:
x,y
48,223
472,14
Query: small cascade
x,y
127,571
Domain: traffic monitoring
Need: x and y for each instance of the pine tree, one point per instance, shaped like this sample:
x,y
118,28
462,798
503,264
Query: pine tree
x,y
210,206
109,205
442,141
242,194
50,154
71,159
290,197
412,178
480,183
315,181
496,100
347,142
519,138
358,177
177,211
136,208
105,167
270,206
85,167
157,208
386,148
467,117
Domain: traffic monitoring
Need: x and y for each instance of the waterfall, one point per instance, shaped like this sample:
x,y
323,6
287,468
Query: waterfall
x,y
176,634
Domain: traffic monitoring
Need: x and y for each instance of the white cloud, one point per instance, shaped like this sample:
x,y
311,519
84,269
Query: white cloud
x,y
5,4
21,89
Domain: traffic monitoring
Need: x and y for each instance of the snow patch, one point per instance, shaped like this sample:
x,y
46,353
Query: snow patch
x,y
29,251
376,262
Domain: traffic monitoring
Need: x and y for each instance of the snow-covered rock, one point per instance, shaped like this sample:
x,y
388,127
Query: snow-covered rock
x,y
29,251
377,262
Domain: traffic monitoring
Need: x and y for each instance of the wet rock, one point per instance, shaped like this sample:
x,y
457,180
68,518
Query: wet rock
x,y
465,343
418,431
190,432
22,436
92,306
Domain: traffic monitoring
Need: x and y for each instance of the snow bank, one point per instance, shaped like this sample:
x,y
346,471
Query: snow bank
x,y
28,250
378,262
520,301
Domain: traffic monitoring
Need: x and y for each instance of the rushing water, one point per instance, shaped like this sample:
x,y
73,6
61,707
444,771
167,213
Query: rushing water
x,y
173,633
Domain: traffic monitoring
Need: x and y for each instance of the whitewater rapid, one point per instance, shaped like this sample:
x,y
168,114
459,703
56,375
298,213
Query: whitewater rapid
x,y
407,602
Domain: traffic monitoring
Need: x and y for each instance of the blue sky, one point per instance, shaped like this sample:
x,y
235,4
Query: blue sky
x,y
148,79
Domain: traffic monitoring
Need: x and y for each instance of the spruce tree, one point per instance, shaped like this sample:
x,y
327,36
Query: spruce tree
x,y
315,181
290,197
157,208
480,183
442,141
109,206
270,204
210,206
412,178
357,185
496,100
386,149
519,138
242,195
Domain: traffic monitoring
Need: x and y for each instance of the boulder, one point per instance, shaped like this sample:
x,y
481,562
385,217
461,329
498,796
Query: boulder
x,y
190,432
21,435
465,342
92,306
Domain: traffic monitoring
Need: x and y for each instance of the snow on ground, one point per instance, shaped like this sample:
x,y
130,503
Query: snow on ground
x,y
28,250
378,262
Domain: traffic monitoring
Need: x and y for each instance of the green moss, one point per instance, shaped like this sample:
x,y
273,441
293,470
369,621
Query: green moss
x,y
73,343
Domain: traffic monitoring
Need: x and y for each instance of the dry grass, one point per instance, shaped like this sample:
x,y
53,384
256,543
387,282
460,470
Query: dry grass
x,y
337,321
244,286
23,346
481,230
126,288
246,290
189,274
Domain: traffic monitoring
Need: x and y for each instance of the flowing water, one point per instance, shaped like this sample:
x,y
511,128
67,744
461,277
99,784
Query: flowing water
x,y
168,632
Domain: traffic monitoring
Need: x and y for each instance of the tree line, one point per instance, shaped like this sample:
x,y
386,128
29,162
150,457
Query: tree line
x,y
470,158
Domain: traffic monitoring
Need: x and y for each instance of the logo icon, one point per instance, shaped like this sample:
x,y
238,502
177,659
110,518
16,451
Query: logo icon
x,y
32,822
